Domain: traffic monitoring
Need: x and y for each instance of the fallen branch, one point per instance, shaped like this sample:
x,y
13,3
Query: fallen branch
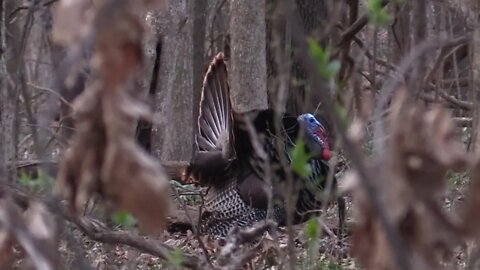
x,y
457,102
173,169
98,232
451,100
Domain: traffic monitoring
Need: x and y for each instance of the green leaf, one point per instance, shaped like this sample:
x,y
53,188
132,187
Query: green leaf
x,y
300,159
376,13
176,257
25,179
342,113
42,183
311,229
328,69
124,219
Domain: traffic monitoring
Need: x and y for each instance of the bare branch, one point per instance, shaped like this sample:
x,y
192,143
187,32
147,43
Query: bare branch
x,y
356,27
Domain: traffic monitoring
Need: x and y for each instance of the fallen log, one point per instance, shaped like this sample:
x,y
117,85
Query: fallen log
x,y
174,169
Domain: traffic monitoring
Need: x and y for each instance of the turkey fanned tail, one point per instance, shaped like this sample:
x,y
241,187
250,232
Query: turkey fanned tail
x,y
214,139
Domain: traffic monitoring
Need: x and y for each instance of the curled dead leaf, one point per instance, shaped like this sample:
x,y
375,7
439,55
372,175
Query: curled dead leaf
x,y
103,156
72,21
137,184
43,227
421,148
7,256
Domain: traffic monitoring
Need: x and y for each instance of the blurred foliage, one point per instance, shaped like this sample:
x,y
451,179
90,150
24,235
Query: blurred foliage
x,y
377,14
124,219
327,68
300,158
40,183
175,258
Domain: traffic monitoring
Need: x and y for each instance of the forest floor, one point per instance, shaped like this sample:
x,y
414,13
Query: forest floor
x,y
325,252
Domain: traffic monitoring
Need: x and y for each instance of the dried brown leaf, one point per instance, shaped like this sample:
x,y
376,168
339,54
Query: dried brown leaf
x,y
136,183
40,256
72,21
420,150
104,157
79,169
470,218
118,42
42,226
7,256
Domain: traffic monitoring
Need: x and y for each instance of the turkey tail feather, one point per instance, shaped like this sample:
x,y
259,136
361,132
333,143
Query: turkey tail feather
x,y
215,117
214,139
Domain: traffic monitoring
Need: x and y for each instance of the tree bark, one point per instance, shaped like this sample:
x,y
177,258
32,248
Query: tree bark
x,y
313,14
178,88
3,93
476,70
248,67
7,101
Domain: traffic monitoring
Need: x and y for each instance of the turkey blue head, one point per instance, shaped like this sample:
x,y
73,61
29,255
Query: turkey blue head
x,y
316,137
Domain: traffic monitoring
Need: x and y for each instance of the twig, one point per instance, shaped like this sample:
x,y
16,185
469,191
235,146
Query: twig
x,y
371,56
284,64
51,91
454,101
356,27
195,229
389,87
20,8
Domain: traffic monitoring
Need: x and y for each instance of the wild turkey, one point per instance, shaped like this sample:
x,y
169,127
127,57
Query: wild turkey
x,y
228,164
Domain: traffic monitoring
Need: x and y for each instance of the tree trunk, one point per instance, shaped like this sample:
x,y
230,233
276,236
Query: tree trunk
x,y
7,100
248,67
313,15
3,94
177,91
476,71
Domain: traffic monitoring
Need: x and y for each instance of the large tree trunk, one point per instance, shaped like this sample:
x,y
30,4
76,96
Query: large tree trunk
x,y
313,14
476,71
248,67
3,94
7,99
178,88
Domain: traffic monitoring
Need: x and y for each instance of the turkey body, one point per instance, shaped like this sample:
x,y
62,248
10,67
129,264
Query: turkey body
x,y
236,172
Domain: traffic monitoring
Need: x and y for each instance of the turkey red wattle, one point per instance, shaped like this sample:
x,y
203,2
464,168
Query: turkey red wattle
x,y
322,139
326,155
